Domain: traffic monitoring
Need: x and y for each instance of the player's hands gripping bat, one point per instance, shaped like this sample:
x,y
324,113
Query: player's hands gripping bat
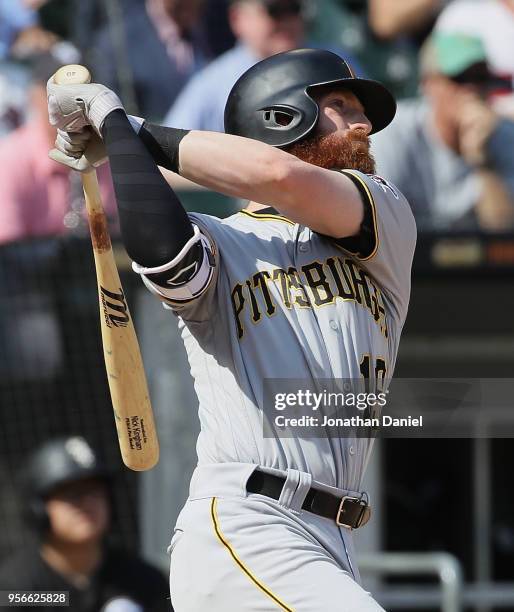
x,y
127,382
78,110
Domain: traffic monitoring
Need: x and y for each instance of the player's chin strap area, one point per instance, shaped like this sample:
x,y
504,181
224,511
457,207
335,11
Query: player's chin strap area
x,y
347,511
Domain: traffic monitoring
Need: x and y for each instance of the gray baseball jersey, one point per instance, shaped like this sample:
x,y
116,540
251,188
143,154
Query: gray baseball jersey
x,y
280,301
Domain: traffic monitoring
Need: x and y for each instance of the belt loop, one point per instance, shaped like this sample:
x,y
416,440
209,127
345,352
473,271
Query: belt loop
x,y
304,484
289,488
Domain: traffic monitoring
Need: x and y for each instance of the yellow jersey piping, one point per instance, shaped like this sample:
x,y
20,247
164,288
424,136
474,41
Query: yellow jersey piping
x,y
266,217
374,213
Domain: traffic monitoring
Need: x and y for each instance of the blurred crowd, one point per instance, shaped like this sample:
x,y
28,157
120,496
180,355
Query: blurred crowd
x,y
450,63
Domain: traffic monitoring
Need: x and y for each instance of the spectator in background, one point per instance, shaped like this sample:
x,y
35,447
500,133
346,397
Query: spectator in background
x,y
13,88
493,22
68,504
262,28
21,37
14,18
399,29
38,196
148,52
392,18
345,22
216,26
20,33
448,151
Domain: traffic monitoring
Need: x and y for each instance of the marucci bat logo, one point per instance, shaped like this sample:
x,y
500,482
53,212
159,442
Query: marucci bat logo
x,y
115,308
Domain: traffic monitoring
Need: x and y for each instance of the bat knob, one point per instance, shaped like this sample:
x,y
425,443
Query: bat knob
x,y
72,74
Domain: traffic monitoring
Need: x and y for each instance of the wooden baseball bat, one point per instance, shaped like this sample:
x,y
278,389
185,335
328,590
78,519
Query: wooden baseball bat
x,y
133,413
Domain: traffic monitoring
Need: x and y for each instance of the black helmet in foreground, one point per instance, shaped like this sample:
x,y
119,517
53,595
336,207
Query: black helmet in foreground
x,y
272,101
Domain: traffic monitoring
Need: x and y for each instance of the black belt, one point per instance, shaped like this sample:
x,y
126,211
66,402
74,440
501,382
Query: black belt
x,y
347,511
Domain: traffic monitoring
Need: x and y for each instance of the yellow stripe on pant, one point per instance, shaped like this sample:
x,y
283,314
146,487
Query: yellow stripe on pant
x,y
238,561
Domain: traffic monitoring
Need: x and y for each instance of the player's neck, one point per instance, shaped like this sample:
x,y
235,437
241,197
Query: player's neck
x,y
76,562
254,206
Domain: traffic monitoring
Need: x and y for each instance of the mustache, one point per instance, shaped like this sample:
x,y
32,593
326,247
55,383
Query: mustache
x,y
359,136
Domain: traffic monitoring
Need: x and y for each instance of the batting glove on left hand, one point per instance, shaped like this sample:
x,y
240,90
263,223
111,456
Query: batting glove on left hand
x,y
73,107
81,151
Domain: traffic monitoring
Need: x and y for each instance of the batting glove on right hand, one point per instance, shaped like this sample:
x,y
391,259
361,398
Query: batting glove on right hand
x,y
73,107
82,151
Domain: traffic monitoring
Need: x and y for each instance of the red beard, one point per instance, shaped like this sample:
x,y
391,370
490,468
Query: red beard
x,y
336,152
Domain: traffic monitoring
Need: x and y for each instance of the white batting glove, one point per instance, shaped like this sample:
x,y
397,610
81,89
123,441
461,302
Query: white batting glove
x,y
81,151
73,107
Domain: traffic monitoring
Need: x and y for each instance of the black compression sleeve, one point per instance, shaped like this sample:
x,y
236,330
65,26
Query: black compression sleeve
x,y
154,225
162,144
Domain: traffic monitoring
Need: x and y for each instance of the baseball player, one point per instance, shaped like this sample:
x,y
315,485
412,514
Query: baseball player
x,y
67,499
311,280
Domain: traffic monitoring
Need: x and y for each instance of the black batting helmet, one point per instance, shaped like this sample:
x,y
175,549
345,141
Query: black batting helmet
x,y
272,101
58,462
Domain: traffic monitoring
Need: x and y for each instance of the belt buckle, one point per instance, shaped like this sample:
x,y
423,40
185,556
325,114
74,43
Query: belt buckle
x,y
362,514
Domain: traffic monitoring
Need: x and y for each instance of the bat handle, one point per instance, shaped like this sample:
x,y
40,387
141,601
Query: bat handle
x,y
95,212
75,74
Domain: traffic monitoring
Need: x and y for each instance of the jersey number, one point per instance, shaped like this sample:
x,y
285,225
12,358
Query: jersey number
x,y
380,374
380,371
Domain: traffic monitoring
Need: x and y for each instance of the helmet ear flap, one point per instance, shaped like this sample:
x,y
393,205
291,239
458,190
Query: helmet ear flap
x,y
281,117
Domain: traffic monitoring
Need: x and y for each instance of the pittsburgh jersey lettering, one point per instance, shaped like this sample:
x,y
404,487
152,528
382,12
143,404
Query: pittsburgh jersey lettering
x,y
314,285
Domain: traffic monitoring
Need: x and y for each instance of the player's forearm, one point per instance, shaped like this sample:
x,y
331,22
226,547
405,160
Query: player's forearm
x,y
213,154
236,166
154,225
255,171
156,139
